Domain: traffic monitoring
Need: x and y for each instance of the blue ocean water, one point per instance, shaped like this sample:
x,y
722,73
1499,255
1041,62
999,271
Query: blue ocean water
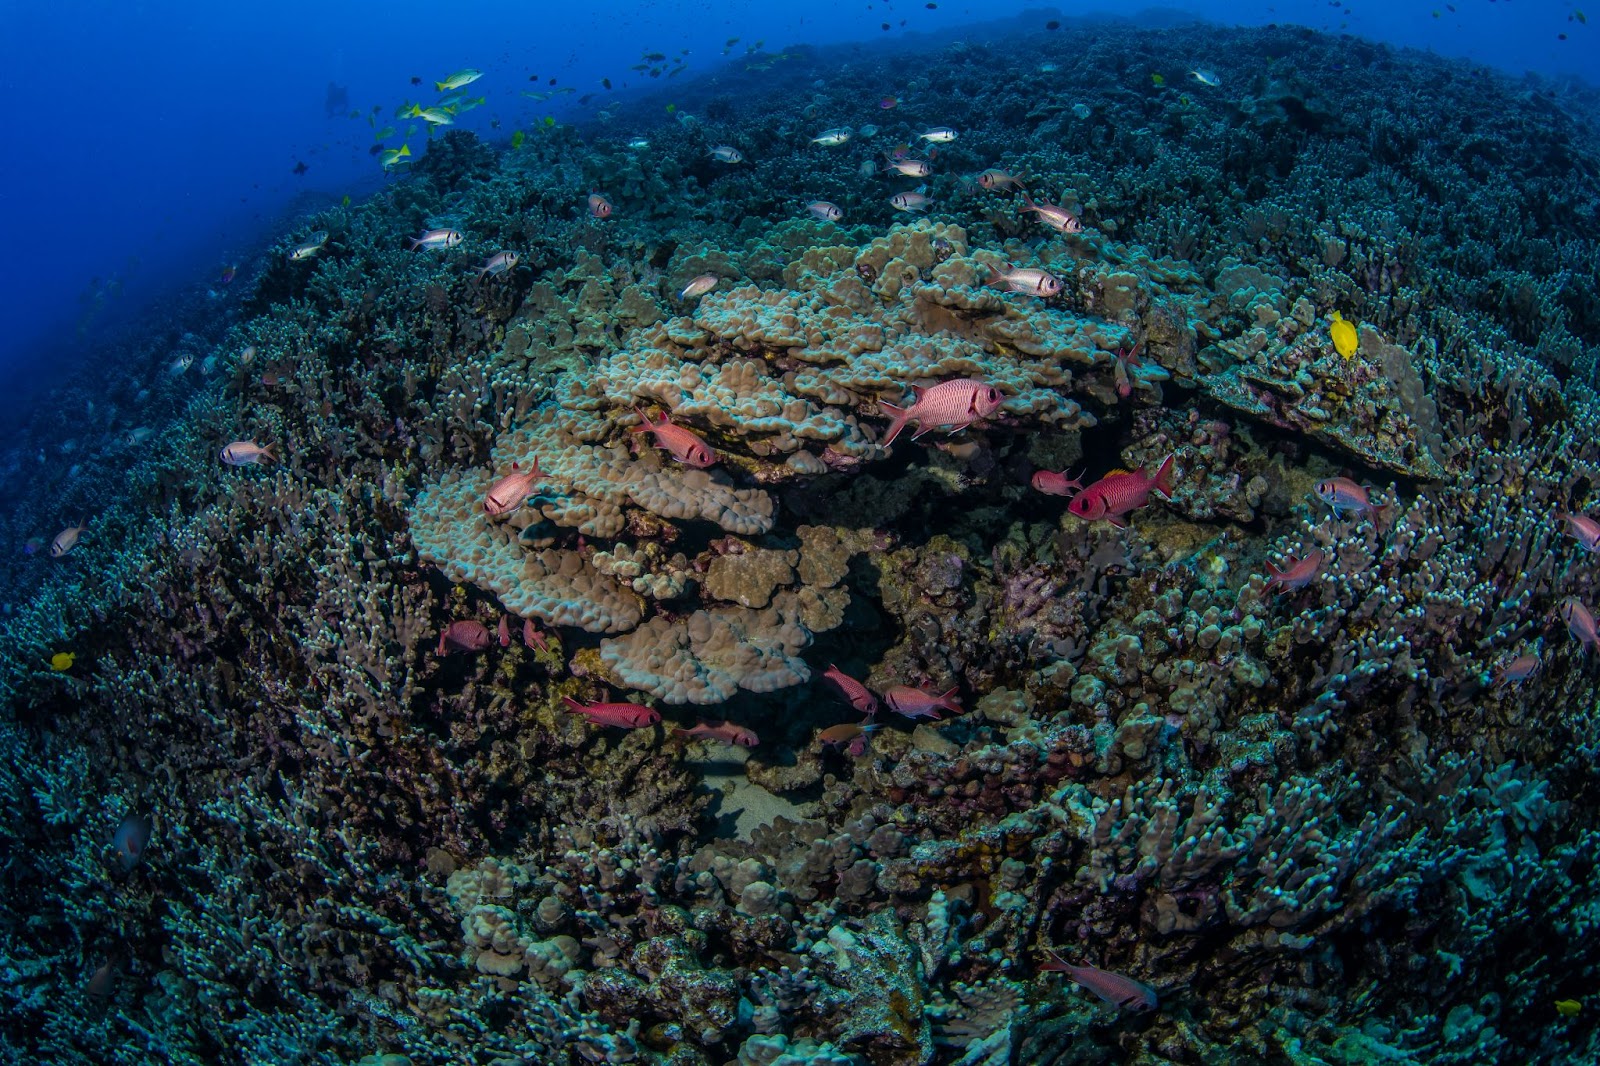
x,y
161,142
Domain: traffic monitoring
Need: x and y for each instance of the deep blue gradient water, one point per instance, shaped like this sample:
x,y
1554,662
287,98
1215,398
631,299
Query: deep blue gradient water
x,y
152,144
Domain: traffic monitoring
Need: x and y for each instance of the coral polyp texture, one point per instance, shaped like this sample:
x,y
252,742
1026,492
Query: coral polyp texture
x,y
489,723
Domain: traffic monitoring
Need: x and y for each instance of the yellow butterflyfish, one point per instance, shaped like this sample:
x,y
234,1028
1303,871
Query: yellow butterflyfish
x,y
62,660
1568,1008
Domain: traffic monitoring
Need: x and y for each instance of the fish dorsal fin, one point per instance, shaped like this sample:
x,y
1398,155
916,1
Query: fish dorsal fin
x,y
1117,470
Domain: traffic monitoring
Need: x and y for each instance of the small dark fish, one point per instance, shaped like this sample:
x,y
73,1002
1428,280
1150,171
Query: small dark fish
x,y
300,168
130,840
606,82
103,981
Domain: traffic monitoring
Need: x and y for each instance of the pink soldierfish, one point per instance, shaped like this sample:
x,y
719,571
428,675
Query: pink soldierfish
x,y
467,635
1030,281
1057,218
911,168
505,632
1582,528
993,179
499,263
531,637
130,840
698,287
1055,483
1343,495
952,405
910,201
599,206
1580,623
436,238
249,453
66,540
1515,671
917,703
682,444
727,732
853,691
826,211
621,715
1296,573
509,493
1121,491
1114,988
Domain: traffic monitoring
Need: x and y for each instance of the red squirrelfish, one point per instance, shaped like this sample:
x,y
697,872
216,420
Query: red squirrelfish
x,y
66,540
1580,623
853,691
727,732
599,206
726,153
505,632
621,715
1114,988
825,210
1296,573
1343,495
1583,529
917,703
1055,483
531,637
1030,281
1057,218
466,635
249,453
952,405
1119,492
508,494
1516,670
682,444
130,840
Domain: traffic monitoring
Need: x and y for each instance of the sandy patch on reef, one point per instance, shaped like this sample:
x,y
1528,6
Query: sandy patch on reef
x,y
742,805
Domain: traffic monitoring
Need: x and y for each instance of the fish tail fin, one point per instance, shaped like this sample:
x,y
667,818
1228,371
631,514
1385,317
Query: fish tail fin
x,y
439,85
415,244
572,705
948,697
1164,477
270,453
645,425
1028,200
679,732
899,417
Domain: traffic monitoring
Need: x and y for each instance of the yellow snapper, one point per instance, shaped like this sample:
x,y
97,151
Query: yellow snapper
x,y
458,79
396,156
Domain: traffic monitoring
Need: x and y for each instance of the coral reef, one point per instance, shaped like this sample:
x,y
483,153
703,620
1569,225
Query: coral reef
x,y
1316,817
